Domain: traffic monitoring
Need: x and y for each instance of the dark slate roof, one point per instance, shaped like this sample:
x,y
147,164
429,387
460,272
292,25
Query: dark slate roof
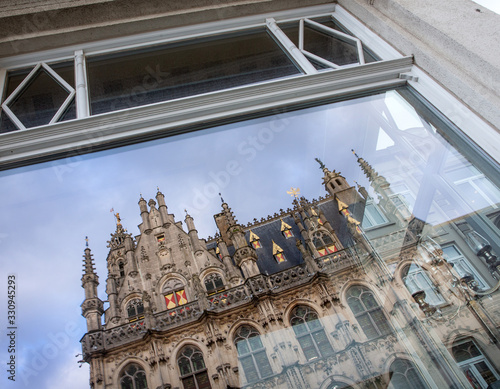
x,y
272,231
337,221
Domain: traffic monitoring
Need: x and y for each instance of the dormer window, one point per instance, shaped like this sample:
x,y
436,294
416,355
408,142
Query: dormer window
x,y
278,253
254,240
323,243
286,230
135,310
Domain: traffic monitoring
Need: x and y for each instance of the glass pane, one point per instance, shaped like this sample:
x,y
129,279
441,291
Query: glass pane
x,y
197,360
485,372
39,101
6,124
329,47
368,300
202,380
367,326
140,381
323,343
189,383
355,305
242,346
249,368
184,365
380,321
263,364
169,72
192,170
126,383
307,345
255,343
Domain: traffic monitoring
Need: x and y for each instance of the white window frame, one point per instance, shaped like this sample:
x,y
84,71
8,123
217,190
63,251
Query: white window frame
x,y
91,133
464,262
469,363
370,219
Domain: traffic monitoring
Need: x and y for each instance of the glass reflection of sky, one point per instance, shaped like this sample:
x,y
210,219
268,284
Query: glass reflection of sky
x,y
48,210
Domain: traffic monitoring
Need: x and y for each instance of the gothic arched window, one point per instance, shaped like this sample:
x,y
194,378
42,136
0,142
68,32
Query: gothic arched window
x,y
135,310
416,280
252,354
310,333
323,243
174,293
367,312
214,283
192,368
404,375
476,367
133,377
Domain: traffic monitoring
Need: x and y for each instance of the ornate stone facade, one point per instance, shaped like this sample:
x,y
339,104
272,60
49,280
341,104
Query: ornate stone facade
x,y
302,299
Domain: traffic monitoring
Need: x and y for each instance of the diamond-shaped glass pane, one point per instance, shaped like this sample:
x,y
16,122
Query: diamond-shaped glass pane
x,y
328,22
37,104
329,47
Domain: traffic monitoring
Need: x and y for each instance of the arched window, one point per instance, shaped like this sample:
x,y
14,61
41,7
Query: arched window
x,y
135,310
133,377
474,364
416,280
174,293
404,375
214,283
192,368
310,333
367,312
323,243
252,354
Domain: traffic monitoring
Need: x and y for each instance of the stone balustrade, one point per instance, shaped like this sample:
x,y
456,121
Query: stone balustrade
x,y
262,284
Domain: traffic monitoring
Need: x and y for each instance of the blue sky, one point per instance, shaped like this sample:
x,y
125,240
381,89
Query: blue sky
x,y
47,210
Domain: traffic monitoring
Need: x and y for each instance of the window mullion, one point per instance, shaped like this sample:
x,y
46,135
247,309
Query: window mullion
x,y
3,79
292,50
82,100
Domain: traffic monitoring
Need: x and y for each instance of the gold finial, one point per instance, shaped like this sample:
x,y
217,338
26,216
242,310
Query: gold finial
x,y
118,220
294,192
86,241
158,188
357,156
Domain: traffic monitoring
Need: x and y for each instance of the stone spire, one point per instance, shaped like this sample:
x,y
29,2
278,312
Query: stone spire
x,y
92,306
372,175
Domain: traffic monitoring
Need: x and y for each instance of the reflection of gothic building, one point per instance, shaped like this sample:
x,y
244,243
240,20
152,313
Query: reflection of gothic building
x,y
301,300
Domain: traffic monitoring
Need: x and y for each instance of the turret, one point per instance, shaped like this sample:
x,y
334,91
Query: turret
x,y
193,234
339,188
92,306
143,206
233,234
162,207
232,271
